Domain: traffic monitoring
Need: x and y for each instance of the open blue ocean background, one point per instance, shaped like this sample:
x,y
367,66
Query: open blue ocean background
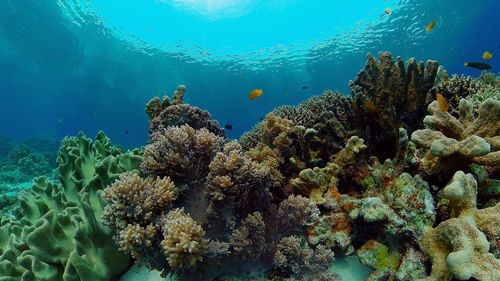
x,y
69,66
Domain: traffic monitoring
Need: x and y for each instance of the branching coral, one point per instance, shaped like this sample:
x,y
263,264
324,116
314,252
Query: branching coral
x,y
456,143
135,204
302,262
185,114
183,239
297,212
457,247
182,153
387,95
247,240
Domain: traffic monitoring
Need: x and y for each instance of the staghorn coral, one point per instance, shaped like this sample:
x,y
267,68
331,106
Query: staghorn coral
x,y
183,239
458,246
456,143
182,153
387,95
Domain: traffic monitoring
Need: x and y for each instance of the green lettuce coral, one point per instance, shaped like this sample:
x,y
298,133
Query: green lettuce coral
x,y
56,233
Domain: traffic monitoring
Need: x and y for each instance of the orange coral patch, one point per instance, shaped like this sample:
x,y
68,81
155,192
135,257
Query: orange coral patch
x,y
369,245
348,206
334,192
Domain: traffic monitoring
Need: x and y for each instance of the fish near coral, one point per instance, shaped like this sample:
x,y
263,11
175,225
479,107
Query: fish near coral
x,y
443,104
478,65
430,26
387,11
255,94
487,55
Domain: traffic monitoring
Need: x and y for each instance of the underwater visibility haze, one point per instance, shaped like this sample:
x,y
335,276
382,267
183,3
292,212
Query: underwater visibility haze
x,y
249,140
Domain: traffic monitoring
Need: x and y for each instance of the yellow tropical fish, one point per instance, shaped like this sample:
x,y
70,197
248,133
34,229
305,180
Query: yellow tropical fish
x,y
388,10
255,94
487,55
443,104
457,98
431,25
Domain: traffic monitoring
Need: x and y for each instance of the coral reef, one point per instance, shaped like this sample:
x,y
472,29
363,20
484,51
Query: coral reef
x,y
333,176
56,232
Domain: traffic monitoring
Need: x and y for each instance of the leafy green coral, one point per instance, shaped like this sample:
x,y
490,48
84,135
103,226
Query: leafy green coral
x,y
56,233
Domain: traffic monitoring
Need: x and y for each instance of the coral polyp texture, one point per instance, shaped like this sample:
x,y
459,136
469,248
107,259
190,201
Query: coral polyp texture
x,y
334,178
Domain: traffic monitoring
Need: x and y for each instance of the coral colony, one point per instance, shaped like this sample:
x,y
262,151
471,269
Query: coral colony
x,y
389,174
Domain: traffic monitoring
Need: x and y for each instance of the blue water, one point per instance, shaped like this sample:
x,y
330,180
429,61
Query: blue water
x,y
69,66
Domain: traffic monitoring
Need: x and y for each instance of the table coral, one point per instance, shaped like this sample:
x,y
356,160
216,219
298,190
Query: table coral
x,y
458,247
456,143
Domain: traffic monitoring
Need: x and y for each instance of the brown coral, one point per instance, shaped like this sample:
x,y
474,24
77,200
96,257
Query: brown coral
x,y
387,95
183,240
302,262
182,153
134,205
297,212
249,237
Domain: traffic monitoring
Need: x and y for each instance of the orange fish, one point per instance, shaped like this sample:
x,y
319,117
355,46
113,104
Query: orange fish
x,y
431,25
387,11
443,104
255,94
